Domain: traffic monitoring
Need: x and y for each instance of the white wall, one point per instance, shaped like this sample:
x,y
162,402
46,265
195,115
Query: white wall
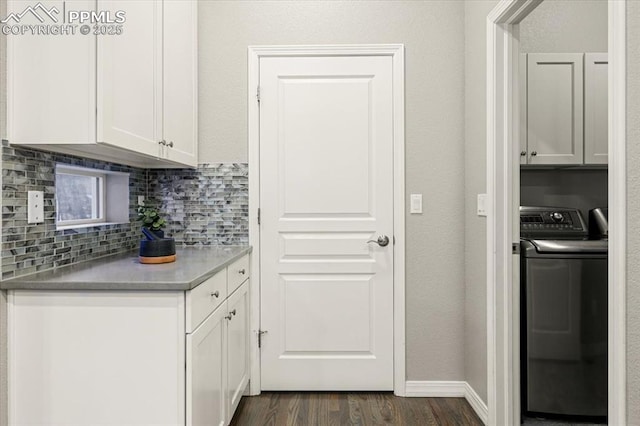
x,y
432,32
561,26
633,212
475,342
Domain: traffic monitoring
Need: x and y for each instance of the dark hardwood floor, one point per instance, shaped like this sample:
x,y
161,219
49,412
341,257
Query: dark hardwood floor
x,y
351,408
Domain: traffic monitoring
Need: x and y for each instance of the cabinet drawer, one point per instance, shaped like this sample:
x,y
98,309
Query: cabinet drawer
x,y
237,273
204,299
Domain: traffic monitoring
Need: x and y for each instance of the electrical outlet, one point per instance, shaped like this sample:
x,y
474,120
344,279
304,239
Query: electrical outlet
x,y
35,207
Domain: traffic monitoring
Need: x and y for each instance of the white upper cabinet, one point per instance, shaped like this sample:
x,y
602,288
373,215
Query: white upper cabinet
x,y
51,82
128,97
596,112
130,79
554,108
564,108
180,65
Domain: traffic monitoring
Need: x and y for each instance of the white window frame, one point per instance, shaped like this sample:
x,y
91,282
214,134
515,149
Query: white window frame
x,y
101,196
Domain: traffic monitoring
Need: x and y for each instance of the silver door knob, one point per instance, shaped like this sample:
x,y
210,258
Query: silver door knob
x,y
523,153
382,241
534,153
170,144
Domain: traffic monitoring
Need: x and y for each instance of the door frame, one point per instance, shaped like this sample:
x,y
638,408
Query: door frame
x,y
396,52
502,230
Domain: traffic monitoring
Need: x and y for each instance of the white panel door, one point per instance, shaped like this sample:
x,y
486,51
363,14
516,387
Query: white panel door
x,y
596,108
130,78
326,188
554,108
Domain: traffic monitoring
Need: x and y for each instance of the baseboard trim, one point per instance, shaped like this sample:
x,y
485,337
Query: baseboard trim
x,y
450,389
435,389
476,403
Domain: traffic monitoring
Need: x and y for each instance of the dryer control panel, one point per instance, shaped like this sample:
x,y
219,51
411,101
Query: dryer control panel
x,y
552,222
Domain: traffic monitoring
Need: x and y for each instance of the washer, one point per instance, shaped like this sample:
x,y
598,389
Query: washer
x,y
564,315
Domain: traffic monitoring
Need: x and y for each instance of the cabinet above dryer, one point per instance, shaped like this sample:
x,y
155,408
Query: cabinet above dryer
x,y
563,109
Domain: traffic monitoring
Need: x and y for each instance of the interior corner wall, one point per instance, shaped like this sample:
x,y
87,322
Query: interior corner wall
x,y
432,32
475,306
564,26
3,294
633,212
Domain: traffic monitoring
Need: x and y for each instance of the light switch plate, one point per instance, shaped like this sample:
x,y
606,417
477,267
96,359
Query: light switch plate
x,y
416,203
35,207
482,205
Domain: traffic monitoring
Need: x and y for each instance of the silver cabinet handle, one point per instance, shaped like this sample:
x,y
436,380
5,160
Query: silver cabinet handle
x,y
233,312
523,153
534,153
162,142
215,294
170,144
242,271
382,241
229,317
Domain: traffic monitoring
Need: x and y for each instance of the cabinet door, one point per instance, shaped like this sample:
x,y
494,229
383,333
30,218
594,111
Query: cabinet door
x,y
238,347
180,107
130,78
596,108
206,371
554,108
51,79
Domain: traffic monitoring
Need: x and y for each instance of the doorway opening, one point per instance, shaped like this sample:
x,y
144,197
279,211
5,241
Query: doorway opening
x,y
504,158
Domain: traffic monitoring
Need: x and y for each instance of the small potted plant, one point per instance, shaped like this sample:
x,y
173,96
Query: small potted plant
x,y
155,248
150,217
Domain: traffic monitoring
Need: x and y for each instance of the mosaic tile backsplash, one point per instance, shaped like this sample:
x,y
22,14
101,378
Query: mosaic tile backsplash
x,y
32,248
208,205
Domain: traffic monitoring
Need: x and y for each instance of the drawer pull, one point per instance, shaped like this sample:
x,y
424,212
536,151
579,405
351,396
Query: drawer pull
x,y
229,317
233,312
215,294
242,271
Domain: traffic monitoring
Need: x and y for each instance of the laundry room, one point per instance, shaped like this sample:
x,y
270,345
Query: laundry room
x,y
564,212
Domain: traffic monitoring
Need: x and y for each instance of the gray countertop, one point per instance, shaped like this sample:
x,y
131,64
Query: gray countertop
x,y
123,272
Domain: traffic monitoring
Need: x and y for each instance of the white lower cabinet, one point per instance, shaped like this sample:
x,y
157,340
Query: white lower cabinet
x,y
218,362
128,357
237,347
96,357
206,388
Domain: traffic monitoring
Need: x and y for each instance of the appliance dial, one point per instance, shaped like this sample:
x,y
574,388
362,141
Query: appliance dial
x,y
557,217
